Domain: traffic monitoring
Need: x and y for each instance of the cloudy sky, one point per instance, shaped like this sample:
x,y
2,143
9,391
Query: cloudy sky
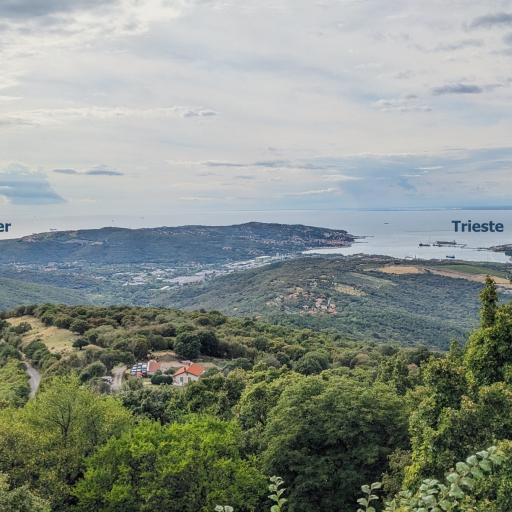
x,y
118,107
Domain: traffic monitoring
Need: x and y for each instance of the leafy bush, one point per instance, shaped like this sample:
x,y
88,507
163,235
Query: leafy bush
x,y
456,494
93,370
21,328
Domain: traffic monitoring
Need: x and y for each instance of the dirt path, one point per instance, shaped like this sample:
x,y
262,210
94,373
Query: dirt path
x,y
117,378
34,378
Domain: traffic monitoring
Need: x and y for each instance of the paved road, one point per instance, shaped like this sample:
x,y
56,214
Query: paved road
x,y
35,379
117,378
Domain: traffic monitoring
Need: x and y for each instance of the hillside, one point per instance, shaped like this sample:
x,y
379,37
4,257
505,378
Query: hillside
x,y
361,297
14,292
169,245
272,400
358,297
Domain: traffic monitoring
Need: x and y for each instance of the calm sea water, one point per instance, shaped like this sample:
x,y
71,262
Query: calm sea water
x,y
391,233
399,233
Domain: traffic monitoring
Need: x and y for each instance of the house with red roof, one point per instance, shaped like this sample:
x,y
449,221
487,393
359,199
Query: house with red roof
x,y
188,373
153,367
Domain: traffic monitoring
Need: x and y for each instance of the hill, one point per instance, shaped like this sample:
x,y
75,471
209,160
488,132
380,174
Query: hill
x,y
169,245
273,400
360,297
14,292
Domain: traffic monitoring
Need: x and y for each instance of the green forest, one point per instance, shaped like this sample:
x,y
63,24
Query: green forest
x,y
350,295
284,419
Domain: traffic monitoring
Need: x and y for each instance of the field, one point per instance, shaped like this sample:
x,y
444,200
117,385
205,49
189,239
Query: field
x,y
57,340
469,272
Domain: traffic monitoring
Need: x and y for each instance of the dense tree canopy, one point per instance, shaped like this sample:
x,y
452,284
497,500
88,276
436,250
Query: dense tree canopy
x,y
325,414
182,467
326,437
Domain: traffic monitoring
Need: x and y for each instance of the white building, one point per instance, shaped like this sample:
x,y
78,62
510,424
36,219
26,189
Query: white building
x,y
186,374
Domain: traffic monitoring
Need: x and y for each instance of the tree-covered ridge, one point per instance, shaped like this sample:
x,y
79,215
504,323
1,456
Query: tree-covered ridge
x,y
170,245
428,303
349,295
121,335
327,418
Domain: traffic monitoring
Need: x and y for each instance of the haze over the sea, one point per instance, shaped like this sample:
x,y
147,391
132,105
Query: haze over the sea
x,y
389,232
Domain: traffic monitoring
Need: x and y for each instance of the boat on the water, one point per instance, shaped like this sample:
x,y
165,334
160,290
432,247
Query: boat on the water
x,y
451,257
442,243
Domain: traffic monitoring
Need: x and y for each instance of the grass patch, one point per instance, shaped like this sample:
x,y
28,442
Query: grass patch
x,y
57,340
474,270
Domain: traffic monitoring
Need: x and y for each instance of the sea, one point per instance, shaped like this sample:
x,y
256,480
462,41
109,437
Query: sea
x,y
395,233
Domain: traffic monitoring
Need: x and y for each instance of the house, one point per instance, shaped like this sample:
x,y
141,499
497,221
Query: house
x,y
189,373
153,367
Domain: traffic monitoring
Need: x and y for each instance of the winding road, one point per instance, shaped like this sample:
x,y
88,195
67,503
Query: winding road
x,y
117,378
34,378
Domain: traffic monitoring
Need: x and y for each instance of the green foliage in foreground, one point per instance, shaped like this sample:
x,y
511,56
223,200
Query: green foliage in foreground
x,y
14,388
186,467
324,414
457,494
44,444
354,427
19,499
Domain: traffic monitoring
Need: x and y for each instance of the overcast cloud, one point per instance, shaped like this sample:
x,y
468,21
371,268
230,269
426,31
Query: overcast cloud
x,y
154,106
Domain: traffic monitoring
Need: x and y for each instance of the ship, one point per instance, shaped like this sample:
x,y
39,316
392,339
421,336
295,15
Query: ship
x,y
441,243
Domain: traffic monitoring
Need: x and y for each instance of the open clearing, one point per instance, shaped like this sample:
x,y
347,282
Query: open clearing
x,y
469,273
56,339
168,359
401,269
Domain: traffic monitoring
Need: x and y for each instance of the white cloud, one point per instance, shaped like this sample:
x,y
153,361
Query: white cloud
x,y
311,192
407,104
49,116
293,97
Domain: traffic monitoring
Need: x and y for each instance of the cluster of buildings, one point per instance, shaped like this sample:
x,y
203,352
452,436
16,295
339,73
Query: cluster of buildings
x,y
187,373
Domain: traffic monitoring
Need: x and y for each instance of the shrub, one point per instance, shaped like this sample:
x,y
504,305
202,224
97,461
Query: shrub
x,y
80,343
79,326
93,370
21,328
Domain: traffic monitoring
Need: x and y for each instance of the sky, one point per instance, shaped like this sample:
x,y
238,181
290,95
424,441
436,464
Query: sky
x,y
181,107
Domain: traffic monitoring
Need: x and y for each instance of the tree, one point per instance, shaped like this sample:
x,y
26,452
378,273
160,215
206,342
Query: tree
x,y
158,379
150,402
489,302
312,362
441,436
327,437
19,499
53,434
255,404
209,343
394,370
21,328
139,346
181,467
93,370
80,343
187,345
488,357
79,326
